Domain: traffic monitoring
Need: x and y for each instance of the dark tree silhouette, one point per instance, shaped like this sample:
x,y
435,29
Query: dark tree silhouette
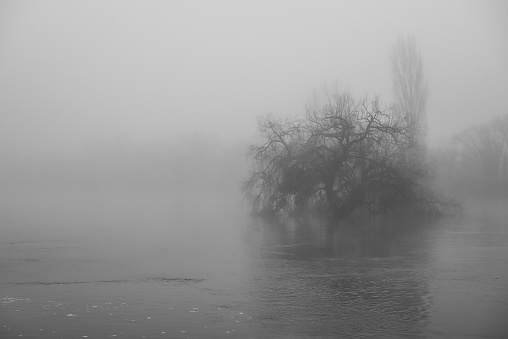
x,y
346,156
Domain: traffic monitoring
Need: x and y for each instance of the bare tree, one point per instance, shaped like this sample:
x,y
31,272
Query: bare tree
x,y
409,86
345,156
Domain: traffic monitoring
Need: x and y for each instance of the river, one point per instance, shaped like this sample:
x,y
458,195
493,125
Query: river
x,y
146,266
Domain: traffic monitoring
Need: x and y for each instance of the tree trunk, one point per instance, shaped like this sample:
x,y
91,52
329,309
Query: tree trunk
x,y
331,197
349,204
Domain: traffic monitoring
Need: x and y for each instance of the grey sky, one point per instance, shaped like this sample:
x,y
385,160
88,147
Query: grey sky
x,y
74,72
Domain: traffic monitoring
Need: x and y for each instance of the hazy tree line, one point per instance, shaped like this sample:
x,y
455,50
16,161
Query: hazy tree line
x,y
475,162
349,155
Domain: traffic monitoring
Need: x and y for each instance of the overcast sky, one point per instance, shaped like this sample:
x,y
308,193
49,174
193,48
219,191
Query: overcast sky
x,y
73,72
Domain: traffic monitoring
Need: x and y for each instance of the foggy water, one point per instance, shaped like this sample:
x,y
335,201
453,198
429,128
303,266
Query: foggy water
x,y
128,266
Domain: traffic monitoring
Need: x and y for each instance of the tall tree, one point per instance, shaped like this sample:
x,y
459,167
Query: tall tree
x,y
410,86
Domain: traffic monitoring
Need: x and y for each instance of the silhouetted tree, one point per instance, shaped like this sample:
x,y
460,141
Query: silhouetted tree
x,y
345,156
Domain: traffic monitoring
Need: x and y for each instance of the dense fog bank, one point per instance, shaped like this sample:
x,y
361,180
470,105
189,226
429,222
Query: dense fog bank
x,y
191,169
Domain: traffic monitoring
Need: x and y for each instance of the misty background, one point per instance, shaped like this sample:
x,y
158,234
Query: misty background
x,y
124,128
164,96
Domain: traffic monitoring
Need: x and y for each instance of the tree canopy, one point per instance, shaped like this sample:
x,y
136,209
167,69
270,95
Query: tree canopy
x,y
347,155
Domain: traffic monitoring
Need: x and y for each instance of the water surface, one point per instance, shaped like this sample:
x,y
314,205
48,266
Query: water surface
x,y
136,266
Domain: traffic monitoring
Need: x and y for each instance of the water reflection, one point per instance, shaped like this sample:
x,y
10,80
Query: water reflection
x,y
348,279
317,237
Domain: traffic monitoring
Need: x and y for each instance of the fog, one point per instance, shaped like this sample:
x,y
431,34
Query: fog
x,y
123,137
81,72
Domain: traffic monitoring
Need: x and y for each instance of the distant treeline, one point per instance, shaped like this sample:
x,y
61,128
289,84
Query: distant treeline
x,y
475,162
